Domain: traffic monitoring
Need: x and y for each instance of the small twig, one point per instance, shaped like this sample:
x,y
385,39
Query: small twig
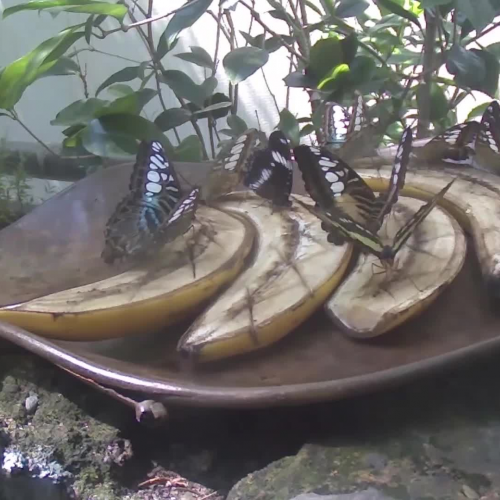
x,y
219,24
257,18
232,44
217,41
14,116
270,91
484,32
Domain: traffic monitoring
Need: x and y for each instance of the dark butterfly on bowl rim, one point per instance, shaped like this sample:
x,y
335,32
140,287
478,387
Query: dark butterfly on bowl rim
x,y
270,171
154,212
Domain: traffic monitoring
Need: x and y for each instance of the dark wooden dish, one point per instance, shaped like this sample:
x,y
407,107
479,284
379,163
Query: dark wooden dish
x,y
57,246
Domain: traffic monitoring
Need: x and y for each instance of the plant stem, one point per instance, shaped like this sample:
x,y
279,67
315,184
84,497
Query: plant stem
x,y
149,43
232,45
14,116
270,91
424,111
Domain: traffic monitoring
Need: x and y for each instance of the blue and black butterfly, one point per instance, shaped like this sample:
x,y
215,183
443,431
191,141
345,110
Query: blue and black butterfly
x,y
270,171
154,212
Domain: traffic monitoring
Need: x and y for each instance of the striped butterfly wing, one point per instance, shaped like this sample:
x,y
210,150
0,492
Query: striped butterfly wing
x,y
229,170
333,183
407,230
270,172
488,140
387,200
154,193
336,122
349,229
455,145
359,117
180,219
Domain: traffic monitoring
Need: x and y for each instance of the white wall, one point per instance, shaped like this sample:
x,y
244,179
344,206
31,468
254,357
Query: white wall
x,y
23,31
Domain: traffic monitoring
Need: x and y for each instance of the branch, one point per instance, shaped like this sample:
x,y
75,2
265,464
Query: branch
x,y
14,116
424,111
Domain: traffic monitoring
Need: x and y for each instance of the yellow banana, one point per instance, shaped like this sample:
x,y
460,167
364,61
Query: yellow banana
x,y
149,297
474,200
293,272
370,302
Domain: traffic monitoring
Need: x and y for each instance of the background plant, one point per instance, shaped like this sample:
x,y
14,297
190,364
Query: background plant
x,y
413,61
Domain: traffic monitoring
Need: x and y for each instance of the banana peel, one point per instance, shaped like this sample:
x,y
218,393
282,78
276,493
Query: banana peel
x,y
173,286
371,302
473,200
293,272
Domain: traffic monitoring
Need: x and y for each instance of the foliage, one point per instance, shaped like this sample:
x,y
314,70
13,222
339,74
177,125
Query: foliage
x,y
412,60
14,189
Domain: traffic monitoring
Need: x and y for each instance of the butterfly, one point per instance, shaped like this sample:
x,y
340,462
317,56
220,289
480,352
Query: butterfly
x,y
339,125
369,240
229,170
270,172
332,183
473,144
154,211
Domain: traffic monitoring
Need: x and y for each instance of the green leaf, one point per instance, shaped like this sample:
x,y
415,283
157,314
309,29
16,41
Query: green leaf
x,y
438,102
237,124
208,86
336,78
325,55
243,62
81,111
349,47
290,127
402,55
400,11
307,130
477,111
195,59
115,10
120,89
213,107
480,14
182,85
489,84
63,66
124,75
350,8
297,79
362,70
111,135
428,4
469,69
88,28
130,104
182,19
18,75
172,117
189,149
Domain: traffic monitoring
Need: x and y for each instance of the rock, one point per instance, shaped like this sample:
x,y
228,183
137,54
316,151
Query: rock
x,y
437,439
369,494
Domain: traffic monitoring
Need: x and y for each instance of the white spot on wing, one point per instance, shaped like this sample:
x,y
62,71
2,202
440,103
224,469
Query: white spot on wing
x,y
153,176
152,187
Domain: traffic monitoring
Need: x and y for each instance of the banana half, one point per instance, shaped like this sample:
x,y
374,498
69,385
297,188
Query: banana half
x,y
294,270
474,200
183,276
370,302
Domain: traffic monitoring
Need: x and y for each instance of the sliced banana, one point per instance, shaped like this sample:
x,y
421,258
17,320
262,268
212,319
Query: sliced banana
x,y
370,302
146,298
474,200
293,272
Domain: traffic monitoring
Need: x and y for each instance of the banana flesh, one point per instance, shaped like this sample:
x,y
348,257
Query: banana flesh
x,y
171,287
474,200
293,272
370,302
